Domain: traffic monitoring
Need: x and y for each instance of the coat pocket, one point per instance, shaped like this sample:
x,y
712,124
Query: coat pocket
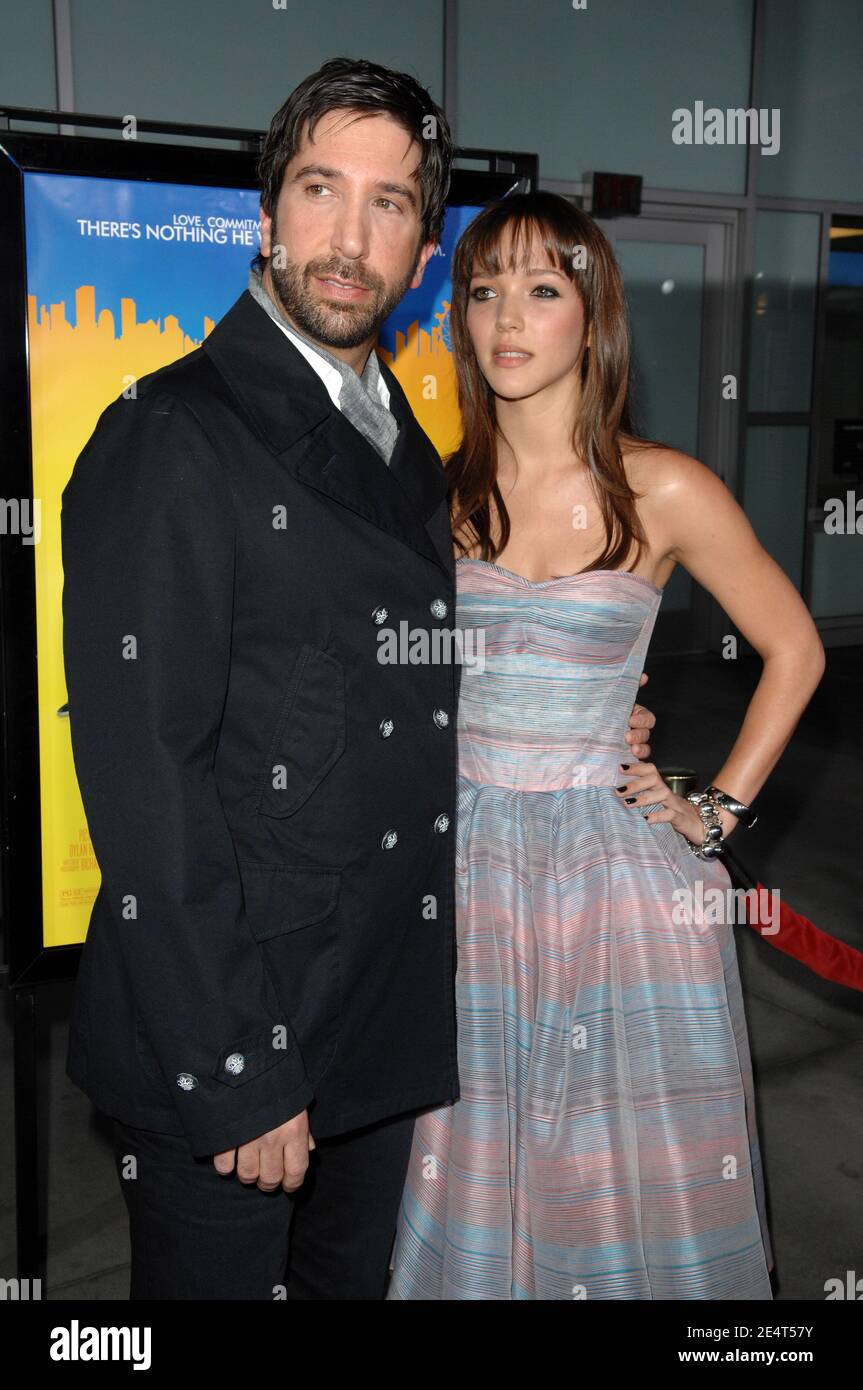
x,y
310,733
291,912
145,1053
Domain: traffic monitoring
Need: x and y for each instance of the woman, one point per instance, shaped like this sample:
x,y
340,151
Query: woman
x,y
604,1146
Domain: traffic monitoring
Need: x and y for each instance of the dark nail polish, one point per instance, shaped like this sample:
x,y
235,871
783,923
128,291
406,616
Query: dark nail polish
x,y
621,789
625,766
630,800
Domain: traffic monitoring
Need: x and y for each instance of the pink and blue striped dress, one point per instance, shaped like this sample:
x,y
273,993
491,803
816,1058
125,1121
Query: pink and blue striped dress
x,y
604,1145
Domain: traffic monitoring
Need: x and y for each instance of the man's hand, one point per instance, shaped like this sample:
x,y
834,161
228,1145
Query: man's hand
x,y
277,1159
639,720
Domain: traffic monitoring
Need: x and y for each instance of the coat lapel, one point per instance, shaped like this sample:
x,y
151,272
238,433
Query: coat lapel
x,y
288,405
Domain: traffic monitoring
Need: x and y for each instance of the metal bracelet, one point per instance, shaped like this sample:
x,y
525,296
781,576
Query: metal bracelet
x,y
713,843
744,813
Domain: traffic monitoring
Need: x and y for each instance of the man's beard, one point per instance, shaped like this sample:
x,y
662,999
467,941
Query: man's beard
x,y
336,323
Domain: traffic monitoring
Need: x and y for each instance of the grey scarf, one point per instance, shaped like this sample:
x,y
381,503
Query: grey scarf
x,y
359,399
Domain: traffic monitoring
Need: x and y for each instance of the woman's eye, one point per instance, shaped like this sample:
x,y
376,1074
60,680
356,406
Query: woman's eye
x,y
548,291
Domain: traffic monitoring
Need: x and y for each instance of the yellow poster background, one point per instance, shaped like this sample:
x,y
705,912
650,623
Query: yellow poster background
x,y
76,369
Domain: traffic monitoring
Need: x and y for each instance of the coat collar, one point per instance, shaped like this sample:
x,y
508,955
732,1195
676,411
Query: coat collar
x,y
288,405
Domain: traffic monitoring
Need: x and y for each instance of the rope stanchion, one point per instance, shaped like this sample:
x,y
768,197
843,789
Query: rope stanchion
x,y
798,937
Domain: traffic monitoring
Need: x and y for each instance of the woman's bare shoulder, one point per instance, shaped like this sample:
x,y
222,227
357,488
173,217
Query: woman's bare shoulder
x,y
654,469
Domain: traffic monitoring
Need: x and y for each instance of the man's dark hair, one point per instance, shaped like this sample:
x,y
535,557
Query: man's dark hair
x,y
353,84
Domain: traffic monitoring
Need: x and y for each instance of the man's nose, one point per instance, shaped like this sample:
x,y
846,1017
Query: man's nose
x,y
350,231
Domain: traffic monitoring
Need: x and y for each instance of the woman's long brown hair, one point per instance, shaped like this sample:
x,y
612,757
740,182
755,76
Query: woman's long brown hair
x,y
604,417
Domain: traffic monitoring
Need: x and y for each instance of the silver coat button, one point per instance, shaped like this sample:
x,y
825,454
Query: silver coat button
x,y
235,1063
439,608
442,823
186,1081
390,839
441,718
386,727
380,614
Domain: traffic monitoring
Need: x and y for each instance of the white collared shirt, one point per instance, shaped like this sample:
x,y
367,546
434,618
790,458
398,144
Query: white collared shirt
x,y
327,372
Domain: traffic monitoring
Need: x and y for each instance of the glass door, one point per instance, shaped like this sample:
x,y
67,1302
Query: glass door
x,y
677,273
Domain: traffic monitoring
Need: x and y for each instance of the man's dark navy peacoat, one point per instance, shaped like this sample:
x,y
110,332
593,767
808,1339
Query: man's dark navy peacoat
x,y
272,807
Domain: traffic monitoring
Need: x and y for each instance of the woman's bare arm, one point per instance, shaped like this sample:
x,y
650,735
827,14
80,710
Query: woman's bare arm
x,y
705,530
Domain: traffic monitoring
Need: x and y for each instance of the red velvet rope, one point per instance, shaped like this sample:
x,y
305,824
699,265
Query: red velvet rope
x,y
798,937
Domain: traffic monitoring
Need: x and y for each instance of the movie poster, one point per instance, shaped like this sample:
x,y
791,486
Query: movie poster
x,y
124,276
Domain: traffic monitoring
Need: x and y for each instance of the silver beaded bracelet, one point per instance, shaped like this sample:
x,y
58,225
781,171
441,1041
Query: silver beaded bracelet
x,y
713,842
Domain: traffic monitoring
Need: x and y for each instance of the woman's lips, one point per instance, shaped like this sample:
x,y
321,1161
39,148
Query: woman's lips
x,y
511,357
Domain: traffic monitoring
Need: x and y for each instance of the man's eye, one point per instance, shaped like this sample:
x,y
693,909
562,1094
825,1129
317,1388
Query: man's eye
x,y
390,202
310,186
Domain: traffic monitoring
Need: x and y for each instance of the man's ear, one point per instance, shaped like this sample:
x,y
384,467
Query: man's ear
x,y
266,232
424,257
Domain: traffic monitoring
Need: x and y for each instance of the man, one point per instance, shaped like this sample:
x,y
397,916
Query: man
x,y
270,963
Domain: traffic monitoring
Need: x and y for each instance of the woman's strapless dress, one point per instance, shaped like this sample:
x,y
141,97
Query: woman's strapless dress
x,y
604,1145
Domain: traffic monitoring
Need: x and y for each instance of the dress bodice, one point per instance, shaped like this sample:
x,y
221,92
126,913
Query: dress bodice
x,y
550,674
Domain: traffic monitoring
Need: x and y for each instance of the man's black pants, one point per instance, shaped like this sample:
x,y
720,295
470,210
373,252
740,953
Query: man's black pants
x,y
198,1235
